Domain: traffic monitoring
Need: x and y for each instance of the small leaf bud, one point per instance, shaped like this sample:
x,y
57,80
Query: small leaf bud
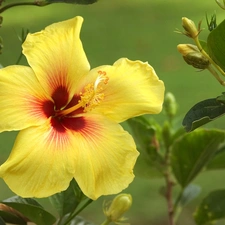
x,y
193,56
120,204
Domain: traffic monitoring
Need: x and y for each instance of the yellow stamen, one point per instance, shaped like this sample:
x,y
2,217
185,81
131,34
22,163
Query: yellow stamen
x,y
91,97
93,94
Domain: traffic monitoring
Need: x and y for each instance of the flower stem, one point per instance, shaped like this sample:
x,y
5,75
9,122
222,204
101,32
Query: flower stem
x,y
169,188
35,3
215,74
167,176
207,56
177,208
89,201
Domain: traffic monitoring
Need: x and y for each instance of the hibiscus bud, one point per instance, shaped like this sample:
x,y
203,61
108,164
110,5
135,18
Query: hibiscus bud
x,y
222,5
193,56
190,28
170,105
120,204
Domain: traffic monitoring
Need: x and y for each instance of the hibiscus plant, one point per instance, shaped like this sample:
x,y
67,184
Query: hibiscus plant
x,y
71,146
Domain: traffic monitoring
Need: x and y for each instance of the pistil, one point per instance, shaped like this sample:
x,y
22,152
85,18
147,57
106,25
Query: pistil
x,y
69,110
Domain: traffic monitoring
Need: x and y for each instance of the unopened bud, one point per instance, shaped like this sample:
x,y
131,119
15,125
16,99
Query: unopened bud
x,y
222,5
193,56
170,105
120,204
190,28
185,49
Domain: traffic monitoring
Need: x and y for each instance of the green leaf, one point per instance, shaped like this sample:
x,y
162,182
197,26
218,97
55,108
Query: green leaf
x,y
212,208
68,200
191,152
212,23
18,199
2,221
149,162
30,209
218,161
202,113
189,194
216,44
9,217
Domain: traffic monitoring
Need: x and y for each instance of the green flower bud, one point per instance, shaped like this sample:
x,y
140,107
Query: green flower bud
x,y
190,28
193,56
170,105
222,5
120,204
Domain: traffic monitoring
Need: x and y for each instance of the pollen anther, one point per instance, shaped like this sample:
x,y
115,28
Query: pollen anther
x,y
93,93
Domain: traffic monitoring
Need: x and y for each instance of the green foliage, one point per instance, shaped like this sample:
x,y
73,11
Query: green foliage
x,y
12,218
67,201
150,161
212,23
76,221
2,221
217,163
191,152
30,209
203,112
20,210
212,208
216,44
189,194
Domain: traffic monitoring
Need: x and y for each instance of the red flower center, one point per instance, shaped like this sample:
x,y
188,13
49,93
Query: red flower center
x,y
60,121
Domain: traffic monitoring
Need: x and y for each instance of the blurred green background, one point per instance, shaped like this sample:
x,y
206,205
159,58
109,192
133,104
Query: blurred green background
x,y
136,29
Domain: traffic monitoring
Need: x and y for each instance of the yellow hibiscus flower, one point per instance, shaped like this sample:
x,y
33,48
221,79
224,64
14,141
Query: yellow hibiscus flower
x,y
68,116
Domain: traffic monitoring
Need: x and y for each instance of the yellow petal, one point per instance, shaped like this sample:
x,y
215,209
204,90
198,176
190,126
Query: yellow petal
x,y
100,155
56,55
106,161
40,164
133,89
21,98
